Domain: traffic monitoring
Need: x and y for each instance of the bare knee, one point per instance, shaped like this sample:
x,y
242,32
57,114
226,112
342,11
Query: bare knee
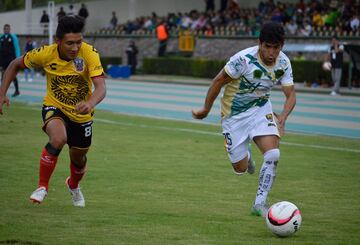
x,y
58,142
241,166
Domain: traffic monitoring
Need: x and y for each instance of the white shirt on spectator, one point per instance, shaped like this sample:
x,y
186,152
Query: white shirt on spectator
x,y
354,23
291,28
306,31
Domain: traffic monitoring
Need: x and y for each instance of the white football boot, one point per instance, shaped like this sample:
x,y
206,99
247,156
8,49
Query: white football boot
x,y
77,196
38,195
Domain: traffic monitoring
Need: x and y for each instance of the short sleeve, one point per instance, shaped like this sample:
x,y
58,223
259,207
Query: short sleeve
x,y
93,62
287,79
34,58
236,66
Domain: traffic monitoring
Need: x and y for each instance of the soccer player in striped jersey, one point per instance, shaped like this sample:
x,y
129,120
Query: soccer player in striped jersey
x,y
72,68
246,110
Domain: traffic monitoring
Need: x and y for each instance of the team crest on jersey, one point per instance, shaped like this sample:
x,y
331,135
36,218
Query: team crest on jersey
x,y
79,64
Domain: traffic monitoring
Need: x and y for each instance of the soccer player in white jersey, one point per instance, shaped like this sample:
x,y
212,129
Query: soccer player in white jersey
x,y
246,110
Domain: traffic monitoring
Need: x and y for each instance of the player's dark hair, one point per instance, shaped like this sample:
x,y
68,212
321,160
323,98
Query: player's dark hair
x,y
69,24
272,32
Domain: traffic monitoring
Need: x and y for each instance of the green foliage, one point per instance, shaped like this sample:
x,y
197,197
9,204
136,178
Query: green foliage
x,y
168,182
182,66
10,5
309,71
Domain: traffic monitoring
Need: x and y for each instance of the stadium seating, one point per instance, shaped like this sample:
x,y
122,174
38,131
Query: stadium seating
x,y
244,21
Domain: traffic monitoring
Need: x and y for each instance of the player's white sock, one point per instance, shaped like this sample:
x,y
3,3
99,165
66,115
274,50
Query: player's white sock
x,y
267,175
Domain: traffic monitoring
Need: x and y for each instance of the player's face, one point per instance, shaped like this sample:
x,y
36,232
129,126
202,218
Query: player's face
x,y
269,52
69,45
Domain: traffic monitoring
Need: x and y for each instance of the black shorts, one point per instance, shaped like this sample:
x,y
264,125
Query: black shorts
x,y
78,134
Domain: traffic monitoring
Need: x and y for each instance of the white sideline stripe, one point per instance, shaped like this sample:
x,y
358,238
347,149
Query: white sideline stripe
x,y
218,134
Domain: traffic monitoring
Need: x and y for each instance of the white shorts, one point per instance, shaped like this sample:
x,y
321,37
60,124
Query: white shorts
x,y
240,129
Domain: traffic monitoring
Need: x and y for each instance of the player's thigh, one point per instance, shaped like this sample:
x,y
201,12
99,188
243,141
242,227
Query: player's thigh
x,y
54,126
265,132
236,139
266,142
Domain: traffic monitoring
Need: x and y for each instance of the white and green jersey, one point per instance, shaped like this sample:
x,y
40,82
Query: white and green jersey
x,y
252,81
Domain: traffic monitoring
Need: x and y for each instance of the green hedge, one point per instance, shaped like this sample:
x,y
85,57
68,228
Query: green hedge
x,y
304,71
309,71
182,66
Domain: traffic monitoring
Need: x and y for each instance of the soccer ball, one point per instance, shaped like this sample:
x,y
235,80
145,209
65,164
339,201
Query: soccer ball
x,y
326,66
283,219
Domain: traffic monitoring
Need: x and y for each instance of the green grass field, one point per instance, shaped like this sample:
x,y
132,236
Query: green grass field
x,y
155,181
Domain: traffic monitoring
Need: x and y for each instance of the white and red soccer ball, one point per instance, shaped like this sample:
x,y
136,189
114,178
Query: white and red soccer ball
x,y
283,219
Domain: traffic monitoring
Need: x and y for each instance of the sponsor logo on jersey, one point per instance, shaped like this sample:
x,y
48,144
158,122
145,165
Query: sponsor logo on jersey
x,y
79,64
49,114
269,117
53,66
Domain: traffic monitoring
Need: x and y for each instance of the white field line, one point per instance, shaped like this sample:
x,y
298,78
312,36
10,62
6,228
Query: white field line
x,y
218,134
212,133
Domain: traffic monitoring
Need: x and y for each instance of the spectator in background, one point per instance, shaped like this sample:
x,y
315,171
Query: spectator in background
x,y
186,21
354,23
223,5
291,28
83,12
332,17
307,29
61,13
131,52
209,30
336,59
44,22
9,50
233,5
29,45
162,36
71,10
210,5
113,20
316,19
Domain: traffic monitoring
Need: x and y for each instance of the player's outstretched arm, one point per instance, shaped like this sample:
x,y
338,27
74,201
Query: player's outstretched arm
x,y
220,80
9,76
85,107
